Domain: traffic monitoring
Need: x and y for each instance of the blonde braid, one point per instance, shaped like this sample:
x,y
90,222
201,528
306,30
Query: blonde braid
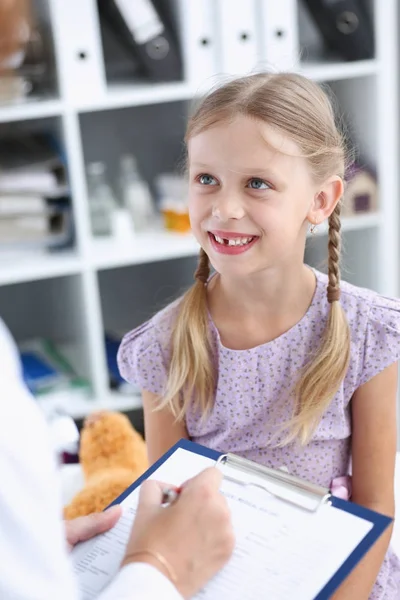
x,y
202,272
334,246
191,374
322,378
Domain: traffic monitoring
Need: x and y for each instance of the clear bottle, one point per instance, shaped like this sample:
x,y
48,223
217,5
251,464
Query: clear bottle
x,y
135,194
102,202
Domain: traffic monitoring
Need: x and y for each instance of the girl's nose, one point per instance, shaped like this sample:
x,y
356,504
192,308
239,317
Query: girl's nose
x,y
228,206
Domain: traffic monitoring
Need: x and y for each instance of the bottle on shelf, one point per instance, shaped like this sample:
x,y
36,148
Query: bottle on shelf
x,y
136,195
172,197
102,202
176,215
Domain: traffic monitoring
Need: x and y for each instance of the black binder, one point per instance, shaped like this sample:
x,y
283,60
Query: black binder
x,y
146,34
345,26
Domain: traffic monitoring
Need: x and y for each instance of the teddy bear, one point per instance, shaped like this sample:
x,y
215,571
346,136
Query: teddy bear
x,y
112,455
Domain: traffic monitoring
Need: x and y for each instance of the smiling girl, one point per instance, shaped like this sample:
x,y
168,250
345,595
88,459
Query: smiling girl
x,y
268,358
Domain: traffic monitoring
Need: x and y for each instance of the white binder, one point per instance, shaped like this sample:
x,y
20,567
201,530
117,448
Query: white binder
x,y
279,35
79,49
239,33
199,39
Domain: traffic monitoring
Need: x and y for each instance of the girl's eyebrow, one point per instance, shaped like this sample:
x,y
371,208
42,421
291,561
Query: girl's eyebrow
x,y
201,165
243,171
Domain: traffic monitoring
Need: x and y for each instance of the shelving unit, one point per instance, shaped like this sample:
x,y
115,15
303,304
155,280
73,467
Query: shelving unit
x,y
31,109
144,248
105,278
329,71
79,408
130,95
16,268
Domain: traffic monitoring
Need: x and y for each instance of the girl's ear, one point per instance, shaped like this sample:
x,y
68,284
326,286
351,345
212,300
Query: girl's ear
x,y
326,199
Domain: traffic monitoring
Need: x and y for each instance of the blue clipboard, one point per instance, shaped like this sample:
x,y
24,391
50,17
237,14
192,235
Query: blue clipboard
x,y
379,522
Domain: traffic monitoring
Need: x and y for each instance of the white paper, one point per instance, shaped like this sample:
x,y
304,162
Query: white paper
x,y
282,552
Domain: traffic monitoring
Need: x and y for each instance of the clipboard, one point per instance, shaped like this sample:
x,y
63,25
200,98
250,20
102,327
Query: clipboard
x,y
279,486
310,497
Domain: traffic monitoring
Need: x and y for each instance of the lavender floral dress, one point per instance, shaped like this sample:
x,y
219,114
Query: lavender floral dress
x,y
252,394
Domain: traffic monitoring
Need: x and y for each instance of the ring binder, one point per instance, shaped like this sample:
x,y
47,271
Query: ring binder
x,y
345,25
143,30
291,489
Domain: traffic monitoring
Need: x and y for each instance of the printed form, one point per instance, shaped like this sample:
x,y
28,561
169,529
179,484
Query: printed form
x,y
282,551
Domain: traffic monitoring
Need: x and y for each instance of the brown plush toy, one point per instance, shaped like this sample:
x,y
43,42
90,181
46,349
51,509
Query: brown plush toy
x,y
112,456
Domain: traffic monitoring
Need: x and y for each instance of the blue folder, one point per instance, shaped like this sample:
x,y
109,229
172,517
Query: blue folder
x,y
37,372
379,522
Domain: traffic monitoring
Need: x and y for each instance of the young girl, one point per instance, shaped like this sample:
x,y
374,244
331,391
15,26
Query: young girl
x,y
268,358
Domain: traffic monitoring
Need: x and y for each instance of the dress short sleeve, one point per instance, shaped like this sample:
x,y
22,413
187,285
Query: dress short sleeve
x,y
382,339
144,354
140,359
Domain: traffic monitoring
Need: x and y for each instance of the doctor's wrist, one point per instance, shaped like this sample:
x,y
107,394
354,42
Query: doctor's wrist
x,y
153,558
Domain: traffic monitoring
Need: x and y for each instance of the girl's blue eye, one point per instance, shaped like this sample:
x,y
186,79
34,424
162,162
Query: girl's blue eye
x,y
258,184
207,179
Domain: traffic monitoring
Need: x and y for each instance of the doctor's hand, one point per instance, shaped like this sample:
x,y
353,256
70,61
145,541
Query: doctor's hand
x,y
84,528
190,540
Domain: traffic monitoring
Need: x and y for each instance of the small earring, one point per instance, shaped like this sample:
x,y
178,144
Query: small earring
x,y
313,229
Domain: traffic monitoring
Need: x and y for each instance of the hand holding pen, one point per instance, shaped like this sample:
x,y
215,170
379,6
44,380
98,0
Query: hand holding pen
x,y
176,528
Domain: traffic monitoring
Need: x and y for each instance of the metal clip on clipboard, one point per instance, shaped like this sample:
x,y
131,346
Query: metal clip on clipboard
x,y
279,484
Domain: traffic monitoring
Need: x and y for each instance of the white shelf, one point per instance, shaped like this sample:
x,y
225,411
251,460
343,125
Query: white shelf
x,y
143,248
111,253
160,245
131,95
79,408
30,109
332,71
128,95
357,223
18,267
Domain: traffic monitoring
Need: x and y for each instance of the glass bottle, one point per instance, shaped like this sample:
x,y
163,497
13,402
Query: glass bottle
x,y
102,202
135,193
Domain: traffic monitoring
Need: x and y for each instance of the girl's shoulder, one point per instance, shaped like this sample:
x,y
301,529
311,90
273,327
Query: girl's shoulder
x,y
374,322
157,329
362,304
143,355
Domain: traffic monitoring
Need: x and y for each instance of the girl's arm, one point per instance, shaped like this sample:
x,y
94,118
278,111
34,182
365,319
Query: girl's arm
x,y
373,456
161,430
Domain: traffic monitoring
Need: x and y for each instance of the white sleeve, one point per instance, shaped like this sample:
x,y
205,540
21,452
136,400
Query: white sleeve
x,y
32,532
140,581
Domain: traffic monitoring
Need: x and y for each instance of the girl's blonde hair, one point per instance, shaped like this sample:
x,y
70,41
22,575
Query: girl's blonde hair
x,y
300,109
